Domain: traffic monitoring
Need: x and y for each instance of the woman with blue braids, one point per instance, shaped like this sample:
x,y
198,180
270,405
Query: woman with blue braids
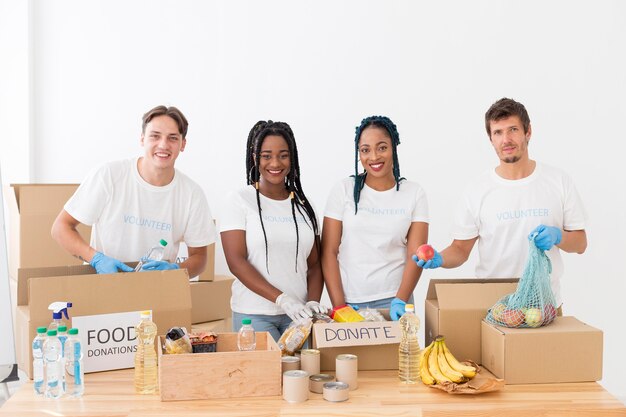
x,y
374,221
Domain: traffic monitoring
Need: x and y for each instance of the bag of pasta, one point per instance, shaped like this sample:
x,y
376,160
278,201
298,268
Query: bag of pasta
x,y
533,303
294,337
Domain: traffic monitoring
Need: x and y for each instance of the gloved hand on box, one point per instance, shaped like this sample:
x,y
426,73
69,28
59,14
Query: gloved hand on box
x,y
106,265
159,266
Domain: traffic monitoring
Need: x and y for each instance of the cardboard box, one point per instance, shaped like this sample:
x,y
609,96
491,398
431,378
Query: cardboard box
x,y
32,210
166,293
225,373
567,350
454,308
375,343
209,272
216,326
211,300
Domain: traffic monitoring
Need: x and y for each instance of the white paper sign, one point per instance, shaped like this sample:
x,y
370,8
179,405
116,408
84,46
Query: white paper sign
x,y
108,340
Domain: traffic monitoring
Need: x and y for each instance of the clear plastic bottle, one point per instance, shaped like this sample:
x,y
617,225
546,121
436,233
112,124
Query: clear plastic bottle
x,y
145,356
154,254
38,342
246,338
53,373
409,349
62,335
74,372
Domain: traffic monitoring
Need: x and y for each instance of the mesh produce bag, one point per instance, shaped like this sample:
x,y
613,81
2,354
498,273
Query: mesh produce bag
x,y
532,304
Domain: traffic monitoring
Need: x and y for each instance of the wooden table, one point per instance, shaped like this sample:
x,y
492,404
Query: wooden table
x,y
379,394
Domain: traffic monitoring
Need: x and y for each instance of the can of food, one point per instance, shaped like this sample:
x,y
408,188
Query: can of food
x,y
295,386
310,361
290,363
316,382
336,391
346,370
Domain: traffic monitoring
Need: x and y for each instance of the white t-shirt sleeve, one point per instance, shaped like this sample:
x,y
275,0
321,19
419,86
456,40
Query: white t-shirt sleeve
x,y
335,205
90,198
233,213
420,211
573,209
200,229
466,224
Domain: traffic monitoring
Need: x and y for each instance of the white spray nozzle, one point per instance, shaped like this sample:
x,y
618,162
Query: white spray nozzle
x,y
60,307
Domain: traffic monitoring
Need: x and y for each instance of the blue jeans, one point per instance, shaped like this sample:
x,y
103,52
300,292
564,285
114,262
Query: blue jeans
x,y
382,303
275,325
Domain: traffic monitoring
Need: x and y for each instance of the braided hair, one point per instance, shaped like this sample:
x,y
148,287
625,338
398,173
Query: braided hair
x,y
299,202
385,123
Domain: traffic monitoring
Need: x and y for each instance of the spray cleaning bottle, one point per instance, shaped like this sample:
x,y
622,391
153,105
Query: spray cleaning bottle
x,y
58,308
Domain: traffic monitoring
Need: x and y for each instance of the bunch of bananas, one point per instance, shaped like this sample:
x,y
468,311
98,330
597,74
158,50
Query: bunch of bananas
x,y
437,365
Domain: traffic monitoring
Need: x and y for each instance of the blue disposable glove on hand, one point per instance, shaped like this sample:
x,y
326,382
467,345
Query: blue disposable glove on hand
x,y
106,265
396,310
159,266
546,236
436,262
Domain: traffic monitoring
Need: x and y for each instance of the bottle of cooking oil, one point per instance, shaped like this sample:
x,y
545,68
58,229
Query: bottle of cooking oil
x,y
145,356
408,352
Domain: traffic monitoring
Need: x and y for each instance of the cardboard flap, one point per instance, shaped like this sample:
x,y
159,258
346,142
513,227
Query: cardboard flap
x,y
161,291
35,198
25,274
356,334
478,296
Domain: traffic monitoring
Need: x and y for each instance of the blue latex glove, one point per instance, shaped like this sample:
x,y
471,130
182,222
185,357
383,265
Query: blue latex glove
x,y
546,236
436,262
106,265
159,266
396,310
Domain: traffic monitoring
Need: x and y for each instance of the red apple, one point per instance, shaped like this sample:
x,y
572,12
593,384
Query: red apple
x,y
512,318
497,310
425,252
549,313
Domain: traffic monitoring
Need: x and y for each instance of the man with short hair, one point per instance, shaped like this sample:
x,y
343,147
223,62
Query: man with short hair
x,y
521,199
134,203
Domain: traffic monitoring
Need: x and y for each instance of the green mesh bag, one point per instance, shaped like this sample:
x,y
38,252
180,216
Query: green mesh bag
x,y
533,303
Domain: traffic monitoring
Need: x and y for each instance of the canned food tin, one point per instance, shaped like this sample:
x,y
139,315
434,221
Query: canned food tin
x,y
316,382
310,361
336,391
295,386
346,370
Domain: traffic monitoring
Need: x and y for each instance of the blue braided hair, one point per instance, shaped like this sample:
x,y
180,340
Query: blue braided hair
x,y
385,123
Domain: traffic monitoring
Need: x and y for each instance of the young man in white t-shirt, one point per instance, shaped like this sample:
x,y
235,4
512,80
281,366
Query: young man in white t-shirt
x,y
133,204
519,200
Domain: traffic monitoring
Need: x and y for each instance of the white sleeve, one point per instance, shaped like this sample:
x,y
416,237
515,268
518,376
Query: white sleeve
x,y
336,203
200,229
465,220
420,211
93,194
232,214
573,209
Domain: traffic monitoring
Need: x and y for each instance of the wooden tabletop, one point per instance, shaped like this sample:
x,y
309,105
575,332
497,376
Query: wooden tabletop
x,y
379,394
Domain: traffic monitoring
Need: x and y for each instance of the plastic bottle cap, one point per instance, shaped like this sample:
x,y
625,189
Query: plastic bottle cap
x,y
73,331
41,330
163,242
146,314
52,332
62,328
409,307
246,321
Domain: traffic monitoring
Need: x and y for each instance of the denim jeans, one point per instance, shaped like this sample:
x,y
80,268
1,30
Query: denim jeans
x,y
382,303
275,325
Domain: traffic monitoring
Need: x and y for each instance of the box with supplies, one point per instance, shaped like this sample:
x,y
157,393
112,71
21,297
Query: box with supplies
x,y
567,350
211,300
166,293
225,373
32,210
454,308
374,342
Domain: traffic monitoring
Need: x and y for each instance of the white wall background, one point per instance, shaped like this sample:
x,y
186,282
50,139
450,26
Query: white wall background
x,y
77,76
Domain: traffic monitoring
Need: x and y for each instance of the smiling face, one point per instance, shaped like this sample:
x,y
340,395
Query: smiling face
x,y
509,139
274,161
376,153
162,143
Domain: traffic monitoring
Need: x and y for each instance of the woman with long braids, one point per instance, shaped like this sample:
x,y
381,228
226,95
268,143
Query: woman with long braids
x,y
270,236
373,223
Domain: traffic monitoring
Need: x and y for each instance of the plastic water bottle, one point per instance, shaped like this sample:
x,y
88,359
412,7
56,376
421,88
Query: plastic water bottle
x,y
62,335
409,349
154,254
53,373
145,356
246,338
38,360
74,372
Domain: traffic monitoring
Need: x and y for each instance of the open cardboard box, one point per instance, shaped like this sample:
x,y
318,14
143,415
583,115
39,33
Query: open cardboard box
x,y
374,342
32,210
166,293
454,308
566,350
225,373
211,300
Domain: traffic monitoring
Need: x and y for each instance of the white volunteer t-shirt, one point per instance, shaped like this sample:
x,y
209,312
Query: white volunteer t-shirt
x,y
240,212
372,253
129,216
502,213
